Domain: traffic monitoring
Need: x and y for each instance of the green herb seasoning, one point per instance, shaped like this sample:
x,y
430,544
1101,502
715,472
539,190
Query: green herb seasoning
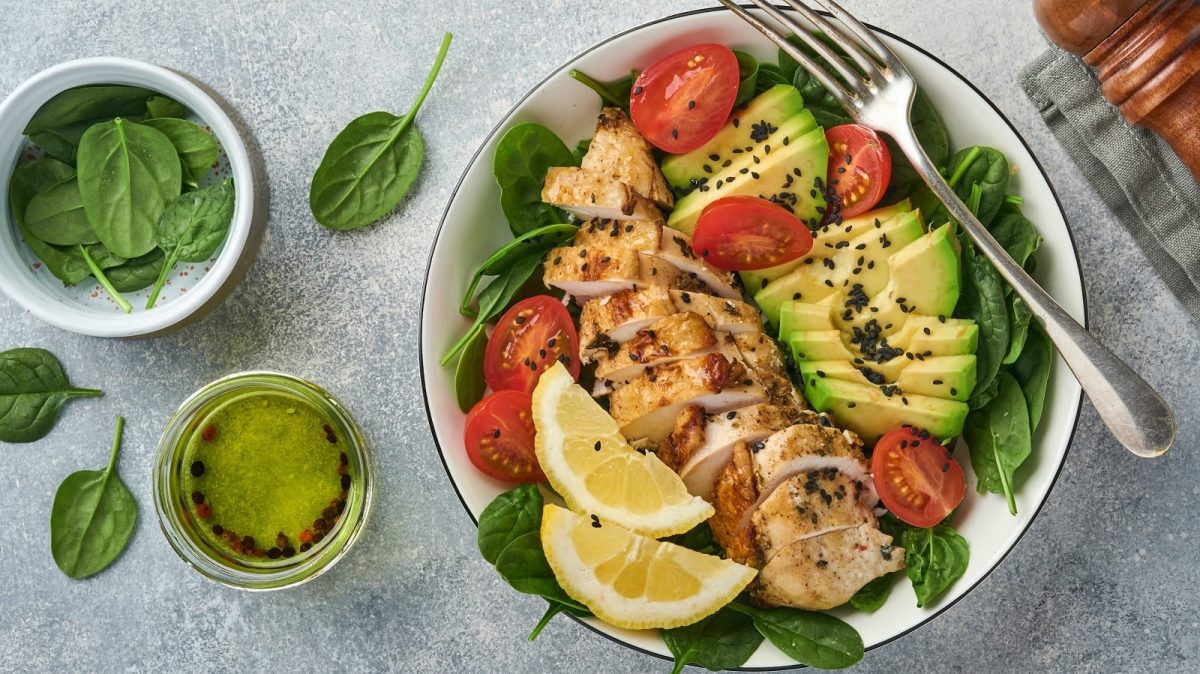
x,y
267,474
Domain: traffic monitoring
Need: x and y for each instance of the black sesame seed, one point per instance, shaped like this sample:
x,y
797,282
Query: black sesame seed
x,y
197,468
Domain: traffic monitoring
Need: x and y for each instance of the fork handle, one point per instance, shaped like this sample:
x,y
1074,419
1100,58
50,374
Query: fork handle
x,y
1134,412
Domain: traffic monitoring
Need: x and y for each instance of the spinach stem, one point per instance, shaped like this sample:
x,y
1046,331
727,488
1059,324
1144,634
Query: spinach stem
x,y
599,87
1006,487
112,459
104,282
552,610
972,155
162,280
433,73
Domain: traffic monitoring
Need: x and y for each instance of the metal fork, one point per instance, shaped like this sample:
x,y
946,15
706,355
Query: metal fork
x,y
881,98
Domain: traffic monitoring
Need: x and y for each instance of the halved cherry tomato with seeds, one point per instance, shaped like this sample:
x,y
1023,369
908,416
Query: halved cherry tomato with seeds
x,y
683,99
916,477
746,233
499,437
528,339
860,166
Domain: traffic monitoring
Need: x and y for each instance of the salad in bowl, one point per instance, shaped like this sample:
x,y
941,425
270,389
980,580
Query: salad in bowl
x,y
726,359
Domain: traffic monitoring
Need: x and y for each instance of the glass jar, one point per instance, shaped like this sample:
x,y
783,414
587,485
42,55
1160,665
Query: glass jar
x,y
177,508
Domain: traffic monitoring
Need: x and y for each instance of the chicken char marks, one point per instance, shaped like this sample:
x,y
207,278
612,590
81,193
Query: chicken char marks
x,y
689,373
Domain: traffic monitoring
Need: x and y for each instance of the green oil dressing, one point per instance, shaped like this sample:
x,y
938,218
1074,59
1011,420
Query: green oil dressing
x,y
266,474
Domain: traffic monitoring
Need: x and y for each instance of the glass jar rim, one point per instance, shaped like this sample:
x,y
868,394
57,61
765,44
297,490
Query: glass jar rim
x,y
170,447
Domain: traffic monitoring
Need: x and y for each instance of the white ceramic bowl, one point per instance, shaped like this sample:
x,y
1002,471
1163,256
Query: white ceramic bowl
x,y
85,308
473,227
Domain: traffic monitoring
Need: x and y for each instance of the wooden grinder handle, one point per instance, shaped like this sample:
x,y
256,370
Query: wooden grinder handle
x,y
1147,56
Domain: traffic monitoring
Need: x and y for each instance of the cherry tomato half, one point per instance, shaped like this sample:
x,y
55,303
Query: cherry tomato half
x,y
746,233
499,437
527,340
681,101
916,477
860,167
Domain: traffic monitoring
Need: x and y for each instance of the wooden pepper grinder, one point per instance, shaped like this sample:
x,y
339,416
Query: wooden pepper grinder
x,y
1147,56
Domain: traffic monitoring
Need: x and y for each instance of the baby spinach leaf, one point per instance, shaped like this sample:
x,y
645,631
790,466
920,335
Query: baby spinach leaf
x,y
469,383
1015,233
998,436
138,273
870,597
58,126
723,640
509,516
581,149
128,174
92,518
825,108
808,637
1021,315
537,241
193,228
196,147
158,107
698,538
56,216
986,167
982,299
615,94
371,165
769,75
747,77
936,557
94,267
27,181
933,136
1032,372
496,297
33,388
523,156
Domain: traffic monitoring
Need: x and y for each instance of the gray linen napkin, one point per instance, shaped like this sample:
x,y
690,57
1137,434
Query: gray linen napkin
x,y
1134,171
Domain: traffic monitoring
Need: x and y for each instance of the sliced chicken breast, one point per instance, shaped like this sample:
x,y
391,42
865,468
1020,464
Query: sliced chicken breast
x,y
619,152
585,273
668,339
647,406
607,322
805,447
825,571
809,505
675,247
653,238
725,315
685,437
591,194
708,453
733,494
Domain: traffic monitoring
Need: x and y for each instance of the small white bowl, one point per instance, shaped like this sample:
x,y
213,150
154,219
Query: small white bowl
x,y
193,289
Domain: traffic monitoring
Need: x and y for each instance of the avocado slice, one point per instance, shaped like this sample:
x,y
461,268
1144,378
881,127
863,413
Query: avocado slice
x,y
784,173
818,345
847,229
835,265
926,335
797,316
950,377
768,110
868,411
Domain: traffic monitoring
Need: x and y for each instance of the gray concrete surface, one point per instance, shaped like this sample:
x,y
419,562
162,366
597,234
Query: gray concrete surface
x,y
1105,580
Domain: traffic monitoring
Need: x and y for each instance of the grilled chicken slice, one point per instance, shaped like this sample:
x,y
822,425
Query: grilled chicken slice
x,y
647,406
805,447
619,152
809,505
733,494
725,315
668,339
653,238
762,355
585,273
706,453
685,438
607,322
825,571
591,194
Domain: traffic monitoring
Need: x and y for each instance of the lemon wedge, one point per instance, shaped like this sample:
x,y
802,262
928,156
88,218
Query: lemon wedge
x,y
632,581
588,462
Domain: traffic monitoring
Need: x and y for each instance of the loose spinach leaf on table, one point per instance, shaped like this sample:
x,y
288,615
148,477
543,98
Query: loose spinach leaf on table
x,y
128,175
158,107
138,273
810,638
982,299
747,77
723,640
1032,372
935,557
870,597
615,94
496,297
56,216
371,165
538,241
192,228
58,126
523,156
33,389
196,147
469,383
999,438
92,518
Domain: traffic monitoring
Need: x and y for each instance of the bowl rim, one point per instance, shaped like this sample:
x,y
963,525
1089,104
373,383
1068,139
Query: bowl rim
x,y
505,120
114,69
